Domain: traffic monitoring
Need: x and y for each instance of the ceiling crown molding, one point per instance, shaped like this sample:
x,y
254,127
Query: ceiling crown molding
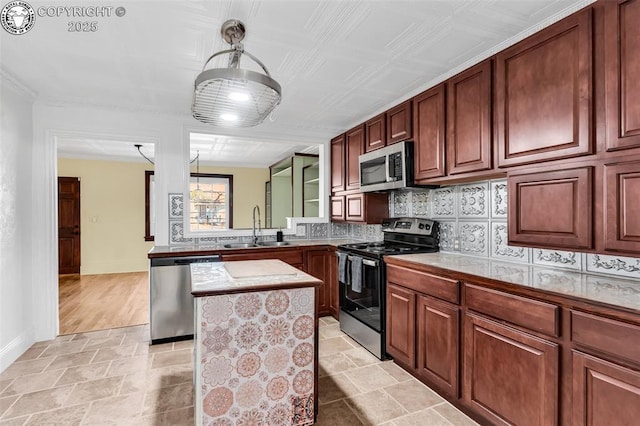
x,y
17,84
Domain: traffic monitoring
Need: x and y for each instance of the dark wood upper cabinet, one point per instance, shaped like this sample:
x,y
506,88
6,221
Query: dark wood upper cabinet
x,y
551,209
544,94
622,68
429,133
337,163
399,123
376,135
622,206
469,139
354,147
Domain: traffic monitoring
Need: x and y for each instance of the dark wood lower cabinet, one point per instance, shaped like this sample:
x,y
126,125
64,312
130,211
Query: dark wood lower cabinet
x,y
438,337
401,324
604,393
510,377
322,264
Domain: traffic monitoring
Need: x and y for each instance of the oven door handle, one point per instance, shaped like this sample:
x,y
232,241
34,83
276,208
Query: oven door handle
x,y
366,262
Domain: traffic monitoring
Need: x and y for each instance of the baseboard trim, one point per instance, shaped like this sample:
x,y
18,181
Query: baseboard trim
x,y
12,351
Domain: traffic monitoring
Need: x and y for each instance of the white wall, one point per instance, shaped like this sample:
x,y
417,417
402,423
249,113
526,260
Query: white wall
x,y
16,136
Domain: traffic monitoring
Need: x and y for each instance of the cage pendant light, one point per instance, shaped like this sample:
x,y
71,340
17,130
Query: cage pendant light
x,y
232,96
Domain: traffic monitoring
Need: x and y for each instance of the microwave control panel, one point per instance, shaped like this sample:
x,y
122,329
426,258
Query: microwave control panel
x,y
395,166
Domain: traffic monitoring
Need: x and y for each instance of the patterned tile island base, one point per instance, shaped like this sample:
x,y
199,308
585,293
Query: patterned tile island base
x,y
256,356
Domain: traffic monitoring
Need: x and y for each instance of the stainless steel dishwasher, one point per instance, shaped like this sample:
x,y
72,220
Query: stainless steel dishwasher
x,y
170,300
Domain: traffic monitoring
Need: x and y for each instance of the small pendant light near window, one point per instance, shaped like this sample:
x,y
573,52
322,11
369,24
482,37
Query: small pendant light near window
x,y
197,194
232,96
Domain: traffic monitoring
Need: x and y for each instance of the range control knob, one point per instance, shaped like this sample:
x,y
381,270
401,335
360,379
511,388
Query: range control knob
x,y
421,226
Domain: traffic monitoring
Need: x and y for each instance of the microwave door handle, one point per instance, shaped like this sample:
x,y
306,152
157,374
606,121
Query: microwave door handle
x,y
386,168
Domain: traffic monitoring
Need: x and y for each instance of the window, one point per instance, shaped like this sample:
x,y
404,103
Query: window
x,y
211,202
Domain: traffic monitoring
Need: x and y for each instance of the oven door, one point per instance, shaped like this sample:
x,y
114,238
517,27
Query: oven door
x,y
364,302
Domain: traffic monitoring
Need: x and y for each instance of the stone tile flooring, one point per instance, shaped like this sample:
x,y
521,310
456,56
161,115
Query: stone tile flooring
x,y
113,377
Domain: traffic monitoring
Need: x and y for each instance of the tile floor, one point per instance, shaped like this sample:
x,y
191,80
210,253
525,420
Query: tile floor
x,y
113,377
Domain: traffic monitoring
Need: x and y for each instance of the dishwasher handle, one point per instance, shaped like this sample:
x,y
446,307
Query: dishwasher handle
x,y
185,260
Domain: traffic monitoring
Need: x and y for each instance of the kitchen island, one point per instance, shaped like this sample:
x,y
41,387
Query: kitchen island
x,y
256,343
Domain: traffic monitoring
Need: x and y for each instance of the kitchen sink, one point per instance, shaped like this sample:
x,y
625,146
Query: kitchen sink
x,y
273,243
240,245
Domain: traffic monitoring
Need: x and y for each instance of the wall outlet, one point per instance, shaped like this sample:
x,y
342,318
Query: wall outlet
x,y
456,243
301,230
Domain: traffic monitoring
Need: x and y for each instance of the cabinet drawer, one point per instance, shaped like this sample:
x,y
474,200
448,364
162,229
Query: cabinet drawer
x,y
606,335
432,285
532,314
292,257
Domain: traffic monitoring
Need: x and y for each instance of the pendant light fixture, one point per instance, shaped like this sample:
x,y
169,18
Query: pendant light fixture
x,y
197,194
232,96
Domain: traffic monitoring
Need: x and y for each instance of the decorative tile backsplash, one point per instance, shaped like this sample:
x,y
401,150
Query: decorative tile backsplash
x,y
473,221
472,218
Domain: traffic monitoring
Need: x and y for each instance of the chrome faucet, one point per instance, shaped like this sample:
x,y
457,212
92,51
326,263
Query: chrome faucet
x,y
255,237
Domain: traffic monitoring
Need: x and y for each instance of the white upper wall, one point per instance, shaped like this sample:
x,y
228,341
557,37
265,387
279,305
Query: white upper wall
x,y
16,136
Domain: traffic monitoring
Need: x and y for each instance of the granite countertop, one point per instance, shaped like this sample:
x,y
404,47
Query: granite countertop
x,y
204,249
208,279
613,291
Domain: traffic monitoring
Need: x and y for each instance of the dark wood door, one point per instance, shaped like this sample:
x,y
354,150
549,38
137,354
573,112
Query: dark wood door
x,y
355,147
68,225
337,164
622,206
622,65
551,209
438,335
316,263
429,134
544,94
355,208
399,121
469,140
401,325
604,393
376,134
509,376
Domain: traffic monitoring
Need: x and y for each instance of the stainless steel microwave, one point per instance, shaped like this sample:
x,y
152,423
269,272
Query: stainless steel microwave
x,y
387,168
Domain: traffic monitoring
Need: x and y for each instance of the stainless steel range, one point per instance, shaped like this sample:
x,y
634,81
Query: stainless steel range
x,y
362,277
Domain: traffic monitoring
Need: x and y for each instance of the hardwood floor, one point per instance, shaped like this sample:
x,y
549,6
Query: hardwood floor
x,y
98,302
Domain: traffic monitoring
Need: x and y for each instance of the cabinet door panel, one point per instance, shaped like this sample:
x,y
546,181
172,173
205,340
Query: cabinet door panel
x,y
316,264
551,209
622,206
399,123
469,120
429,133
376,134
337,163
544,94
604,393
355,207
509,376
338,208
355,147
401,321
622,67
438,331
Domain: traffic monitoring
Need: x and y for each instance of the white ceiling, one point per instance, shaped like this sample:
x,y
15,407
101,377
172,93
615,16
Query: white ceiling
x,y
339,62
